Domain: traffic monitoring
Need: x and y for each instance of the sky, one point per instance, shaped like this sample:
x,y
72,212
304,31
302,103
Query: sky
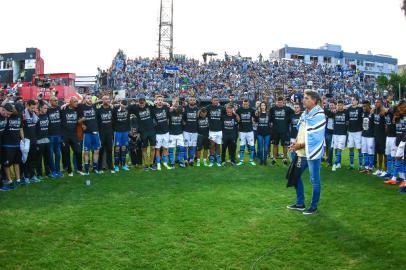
x,y
79,36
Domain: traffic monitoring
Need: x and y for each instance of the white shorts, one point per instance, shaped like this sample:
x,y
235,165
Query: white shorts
x,y
368,145
390,148
247,138
176,140
190,139
216,137
354,140
400,151
339,141
162,140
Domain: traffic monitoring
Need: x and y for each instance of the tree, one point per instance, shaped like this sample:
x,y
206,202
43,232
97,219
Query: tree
x,y
382,82
398,84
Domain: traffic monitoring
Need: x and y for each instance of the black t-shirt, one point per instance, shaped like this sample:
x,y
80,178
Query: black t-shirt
x,y
105,120
190,117
54,115
203,126
42,126
340,123
11,135
145,117
162,120
390,126
89,113
294,121
229,126
264,125
280,118
121,120
379,125
175,123
30,128
215,114
69,121
367,125
246,115
354,119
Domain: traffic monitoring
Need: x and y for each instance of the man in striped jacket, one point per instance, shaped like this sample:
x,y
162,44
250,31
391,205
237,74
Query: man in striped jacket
x,y
309,147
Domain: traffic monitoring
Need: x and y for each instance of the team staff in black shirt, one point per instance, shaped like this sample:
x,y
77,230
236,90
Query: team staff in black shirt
x,y
146,125
280,118
263,132
203,142
43,143
379,133
55,135
70,140
354,130
105,122
294,121
229,134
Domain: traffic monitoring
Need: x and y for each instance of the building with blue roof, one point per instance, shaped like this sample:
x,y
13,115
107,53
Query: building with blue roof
x,y
330,54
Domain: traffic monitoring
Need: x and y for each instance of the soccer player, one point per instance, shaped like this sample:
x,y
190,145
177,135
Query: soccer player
x,y
70,120
43,145
161,113
294,121
354,131
55,135
11,154
399,118
390,146
30,120
340,132
145,116
280,118
329,133
91,139
215,113
121,126
203,142
176,138
246,115
367,137
190,116
229,134
264,132
379,133
105,122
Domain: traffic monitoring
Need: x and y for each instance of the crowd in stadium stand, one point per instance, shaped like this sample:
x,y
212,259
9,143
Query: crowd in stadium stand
x,y
238,76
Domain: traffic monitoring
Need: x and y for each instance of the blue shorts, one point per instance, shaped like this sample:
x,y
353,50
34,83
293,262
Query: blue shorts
x,y
91,141
120,138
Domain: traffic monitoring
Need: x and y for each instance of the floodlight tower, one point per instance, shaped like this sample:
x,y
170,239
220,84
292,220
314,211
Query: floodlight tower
x,y
165,41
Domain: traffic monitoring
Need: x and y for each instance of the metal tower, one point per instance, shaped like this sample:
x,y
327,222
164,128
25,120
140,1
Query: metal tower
x,y
165,43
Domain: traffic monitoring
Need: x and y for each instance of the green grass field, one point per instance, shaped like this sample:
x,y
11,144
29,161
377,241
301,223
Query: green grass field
x,y
202,218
